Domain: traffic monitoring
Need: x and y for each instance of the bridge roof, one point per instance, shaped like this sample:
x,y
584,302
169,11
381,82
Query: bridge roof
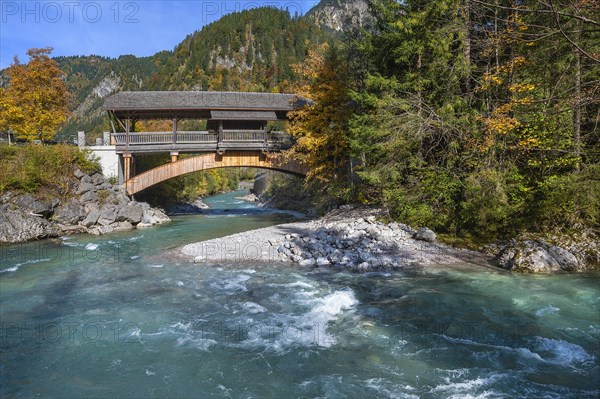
x,y
198,104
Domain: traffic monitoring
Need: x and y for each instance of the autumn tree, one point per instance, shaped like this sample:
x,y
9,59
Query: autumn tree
x,y
34,104
320,127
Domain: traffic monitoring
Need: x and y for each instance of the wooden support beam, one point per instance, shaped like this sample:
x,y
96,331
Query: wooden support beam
x,y
127,172
220,131
127,128
174,130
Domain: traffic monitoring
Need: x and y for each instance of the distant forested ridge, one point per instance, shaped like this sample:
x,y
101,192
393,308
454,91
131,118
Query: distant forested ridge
x,y
251,50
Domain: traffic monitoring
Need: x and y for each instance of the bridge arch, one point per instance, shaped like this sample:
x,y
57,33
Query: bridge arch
x,y
255,159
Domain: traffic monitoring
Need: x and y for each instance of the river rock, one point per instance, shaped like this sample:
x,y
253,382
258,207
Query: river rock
x,y
152,216
321,261
565,259
425,234
251,197
362,225
132,213
17,226
70,213
108,215
91,218
100,230
121,226
28,203
307,262
536,257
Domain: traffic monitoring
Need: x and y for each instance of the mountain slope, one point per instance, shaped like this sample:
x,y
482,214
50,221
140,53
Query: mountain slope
x,y
252,50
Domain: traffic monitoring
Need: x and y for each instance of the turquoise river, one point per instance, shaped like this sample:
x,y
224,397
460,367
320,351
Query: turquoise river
x,y
123,316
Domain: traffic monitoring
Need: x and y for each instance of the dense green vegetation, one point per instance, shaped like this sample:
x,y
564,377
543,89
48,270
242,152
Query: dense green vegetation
x,y
243,51
475,119
43,170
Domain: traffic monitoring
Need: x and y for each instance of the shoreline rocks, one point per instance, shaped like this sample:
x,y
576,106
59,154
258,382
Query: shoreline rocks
x,y
551,253
97,207
250,197
197,206
345,238
352,239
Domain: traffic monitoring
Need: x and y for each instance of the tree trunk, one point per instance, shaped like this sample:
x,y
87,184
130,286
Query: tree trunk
x,y
577,110
467,45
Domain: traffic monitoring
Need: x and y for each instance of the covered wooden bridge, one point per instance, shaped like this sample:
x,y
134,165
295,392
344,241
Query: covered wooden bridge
x,y
237,132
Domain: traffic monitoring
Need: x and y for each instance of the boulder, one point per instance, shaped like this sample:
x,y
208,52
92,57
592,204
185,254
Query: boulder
x,y
108,215
565,259
78,173
323,261
536,257
362,225
153,216
131,213
28,203
89,197
84,187
91,218
17,226
122,226
307,262
70,213
424,234
97,179
100,230
373,230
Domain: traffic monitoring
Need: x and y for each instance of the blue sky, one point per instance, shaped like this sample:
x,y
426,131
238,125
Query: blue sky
x,y
112,27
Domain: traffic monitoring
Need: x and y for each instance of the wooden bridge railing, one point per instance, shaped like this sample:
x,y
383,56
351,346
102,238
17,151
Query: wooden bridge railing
x,y
275,138
243,135
164,138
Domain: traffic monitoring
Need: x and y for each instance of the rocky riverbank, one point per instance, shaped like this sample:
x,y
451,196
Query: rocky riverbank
x,y
346,238
353,239
94,206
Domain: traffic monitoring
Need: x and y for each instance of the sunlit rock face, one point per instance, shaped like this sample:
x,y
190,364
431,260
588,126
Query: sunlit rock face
x,y
341,15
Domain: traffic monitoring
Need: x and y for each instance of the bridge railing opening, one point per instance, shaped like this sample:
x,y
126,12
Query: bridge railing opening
x,y
273,139
243,135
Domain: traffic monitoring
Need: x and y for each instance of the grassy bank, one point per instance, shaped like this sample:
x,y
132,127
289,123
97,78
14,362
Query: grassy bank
x,y
43,170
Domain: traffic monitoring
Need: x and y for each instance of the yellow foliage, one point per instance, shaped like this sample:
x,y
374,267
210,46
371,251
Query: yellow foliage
x,y
34,104
521,87
319,128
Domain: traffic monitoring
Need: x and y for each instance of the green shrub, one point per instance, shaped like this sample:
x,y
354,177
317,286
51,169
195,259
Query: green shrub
x,y
488,204
568,200
44,169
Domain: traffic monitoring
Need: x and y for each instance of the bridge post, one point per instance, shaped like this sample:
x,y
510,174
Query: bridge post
x,y
81,139
174,156
265,136
127,158
174,130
